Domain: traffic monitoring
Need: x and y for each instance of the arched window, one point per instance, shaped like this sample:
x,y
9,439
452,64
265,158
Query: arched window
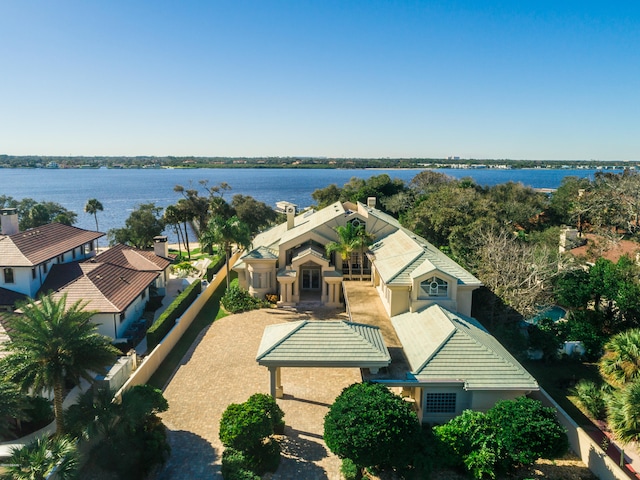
x,y
435,287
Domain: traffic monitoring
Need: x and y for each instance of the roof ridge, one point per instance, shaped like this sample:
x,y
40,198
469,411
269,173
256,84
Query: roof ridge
x,y
444,341
301,323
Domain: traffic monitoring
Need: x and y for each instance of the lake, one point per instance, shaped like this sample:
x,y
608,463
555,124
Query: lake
x,y
121,190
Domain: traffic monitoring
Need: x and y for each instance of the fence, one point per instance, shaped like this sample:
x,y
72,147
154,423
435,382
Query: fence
x,y
151,363
592,454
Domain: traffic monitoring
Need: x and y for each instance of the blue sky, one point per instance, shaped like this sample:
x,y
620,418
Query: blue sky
x,y
477,79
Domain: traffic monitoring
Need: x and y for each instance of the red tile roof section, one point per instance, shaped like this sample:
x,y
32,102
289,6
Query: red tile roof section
x,y
48,241
130,257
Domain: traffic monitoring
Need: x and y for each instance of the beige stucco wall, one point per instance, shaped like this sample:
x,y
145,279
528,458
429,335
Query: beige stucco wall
x,y
483,400
463,402
260,267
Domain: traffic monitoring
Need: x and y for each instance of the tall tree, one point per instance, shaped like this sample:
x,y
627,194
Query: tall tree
x,y
37,459
172,218
224,233
362,242
53,343
92,207
347,243
143,224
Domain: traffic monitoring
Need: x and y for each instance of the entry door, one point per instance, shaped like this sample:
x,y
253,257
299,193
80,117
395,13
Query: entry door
x,y
310,279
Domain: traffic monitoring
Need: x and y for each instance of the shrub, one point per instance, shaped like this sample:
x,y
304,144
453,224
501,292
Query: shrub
x,y
349,470
243,427
214,267
245,430
512,433
268,405
370,425
237,300
271,298
236,466
592,398
167,320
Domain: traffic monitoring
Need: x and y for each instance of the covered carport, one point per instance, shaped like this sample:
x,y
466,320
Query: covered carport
x,y
330,343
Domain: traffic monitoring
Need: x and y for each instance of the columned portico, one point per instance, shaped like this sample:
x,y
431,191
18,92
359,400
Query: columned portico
x,y
331,289
287,281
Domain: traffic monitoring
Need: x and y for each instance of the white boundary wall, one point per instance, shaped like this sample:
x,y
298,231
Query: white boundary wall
x,y
583,445
152,361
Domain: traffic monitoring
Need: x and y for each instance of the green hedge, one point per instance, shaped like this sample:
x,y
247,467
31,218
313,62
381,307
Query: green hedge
x,y
216,264
167,320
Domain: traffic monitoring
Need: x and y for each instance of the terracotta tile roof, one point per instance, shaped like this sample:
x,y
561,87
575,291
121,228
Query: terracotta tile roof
x,y
108,288
130,257
598,246
37,245
9,297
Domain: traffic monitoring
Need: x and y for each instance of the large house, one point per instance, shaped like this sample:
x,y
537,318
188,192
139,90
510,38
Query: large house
x,y
447,361
62,260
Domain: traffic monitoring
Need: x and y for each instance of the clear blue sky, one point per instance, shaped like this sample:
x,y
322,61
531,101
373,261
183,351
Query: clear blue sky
x,y
478,79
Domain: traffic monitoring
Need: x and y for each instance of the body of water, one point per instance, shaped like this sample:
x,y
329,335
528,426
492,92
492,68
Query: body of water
x,y
121,190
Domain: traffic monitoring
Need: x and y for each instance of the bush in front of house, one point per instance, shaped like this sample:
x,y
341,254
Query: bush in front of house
x,y
372,427
236,300
512,433
167,319
245,431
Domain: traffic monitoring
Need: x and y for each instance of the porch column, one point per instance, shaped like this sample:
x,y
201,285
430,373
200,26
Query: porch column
x,y
275,382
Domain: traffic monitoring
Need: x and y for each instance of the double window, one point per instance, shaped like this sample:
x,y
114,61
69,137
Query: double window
x,y
435,287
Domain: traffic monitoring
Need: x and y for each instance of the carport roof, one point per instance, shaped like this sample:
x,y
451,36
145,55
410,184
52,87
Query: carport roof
x,y
323,344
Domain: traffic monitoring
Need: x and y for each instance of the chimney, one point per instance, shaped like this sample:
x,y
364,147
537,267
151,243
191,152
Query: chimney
x,y
9,221
291,215
371,202
160,246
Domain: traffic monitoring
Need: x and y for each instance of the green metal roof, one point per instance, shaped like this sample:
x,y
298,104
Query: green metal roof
x,y
442,346
323,344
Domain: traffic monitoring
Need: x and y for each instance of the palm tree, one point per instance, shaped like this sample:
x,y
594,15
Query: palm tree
x,y
92,207
362,242
623,407
37,459
348,243
224,233
52,344
172,217
620,363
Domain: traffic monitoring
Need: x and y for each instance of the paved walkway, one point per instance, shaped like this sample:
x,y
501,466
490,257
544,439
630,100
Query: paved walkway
x,y
221,369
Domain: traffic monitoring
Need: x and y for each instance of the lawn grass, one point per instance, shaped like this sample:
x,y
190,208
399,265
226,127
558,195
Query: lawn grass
x,y
209,313
558,378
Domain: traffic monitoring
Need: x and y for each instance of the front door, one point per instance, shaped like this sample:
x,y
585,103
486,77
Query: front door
x,y
310,279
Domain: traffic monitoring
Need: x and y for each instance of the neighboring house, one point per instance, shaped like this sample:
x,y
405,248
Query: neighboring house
x,y
447,361
26,258
61,259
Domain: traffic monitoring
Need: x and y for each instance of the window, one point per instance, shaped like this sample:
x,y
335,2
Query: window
x,y
122,317
8,275
33,273
435,287
143,294
61,258
261,280
441,403
44,267
73,253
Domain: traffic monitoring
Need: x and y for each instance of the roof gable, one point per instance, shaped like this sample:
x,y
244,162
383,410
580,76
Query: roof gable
x,y
453,347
